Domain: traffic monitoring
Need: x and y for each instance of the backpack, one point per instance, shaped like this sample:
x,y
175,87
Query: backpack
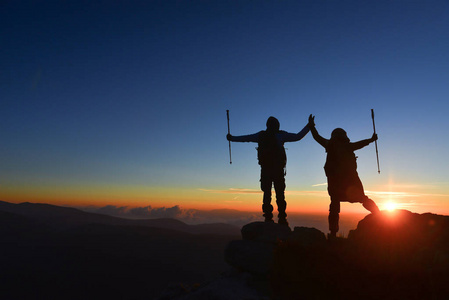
x,y
269,151
340,161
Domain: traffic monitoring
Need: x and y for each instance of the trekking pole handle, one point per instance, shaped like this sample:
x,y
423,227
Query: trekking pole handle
x,y
375,142
227,116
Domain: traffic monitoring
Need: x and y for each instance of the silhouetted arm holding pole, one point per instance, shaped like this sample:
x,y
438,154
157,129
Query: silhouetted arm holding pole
x,y
244,138
360,144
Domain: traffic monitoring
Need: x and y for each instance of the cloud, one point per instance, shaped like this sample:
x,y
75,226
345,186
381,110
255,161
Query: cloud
x,y
421,186
325,193
404,194
320,184
112,210
250,191
190,216
163,212
140,212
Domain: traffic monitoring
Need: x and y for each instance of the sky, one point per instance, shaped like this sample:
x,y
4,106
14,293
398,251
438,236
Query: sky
x,y
123,103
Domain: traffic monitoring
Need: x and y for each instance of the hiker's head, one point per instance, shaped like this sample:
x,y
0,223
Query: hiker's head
x,y
339,134
273,124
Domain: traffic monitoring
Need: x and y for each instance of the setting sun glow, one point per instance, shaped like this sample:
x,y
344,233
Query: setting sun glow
x,y
390,206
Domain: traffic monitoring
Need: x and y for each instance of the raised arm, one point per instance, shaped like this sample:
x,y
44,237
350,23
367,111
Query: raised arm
x,y
360,144
293,137
316,136
244,138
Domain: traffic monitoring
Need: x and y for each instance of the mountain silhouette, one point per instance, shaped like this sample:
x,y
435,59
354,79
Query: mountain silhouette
x,y
52,252
67,217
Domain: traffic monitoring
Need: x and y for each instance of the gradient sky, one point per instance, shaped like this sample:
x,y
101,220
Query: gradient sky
x,y
124,102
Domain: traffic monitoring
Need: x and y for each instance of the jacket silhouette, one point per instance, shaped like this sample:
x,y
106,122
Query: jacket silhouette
x,y
343,182
272,160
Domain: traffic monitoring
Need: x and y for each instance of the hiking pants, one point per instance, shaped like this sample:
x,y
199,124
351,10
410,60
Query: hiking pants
x,y
270,176
334,211
346,188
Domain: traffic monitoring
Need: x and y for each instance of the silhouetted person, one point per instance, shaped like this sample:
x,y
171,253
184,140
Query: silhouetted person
x,y
272,160
343,182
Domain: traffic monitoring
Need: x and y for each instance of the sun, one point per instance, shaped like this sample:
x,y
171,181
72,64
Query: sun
x,y
390,206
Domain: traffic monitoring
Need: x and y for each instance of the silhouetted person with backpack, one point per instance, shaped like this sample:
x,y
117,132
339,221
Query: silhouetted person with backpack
x,y
272,160
343,182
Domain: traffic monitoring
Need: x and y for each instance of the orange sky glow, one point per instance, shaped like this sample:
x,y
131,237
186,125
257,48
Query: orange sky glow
x,y
316,200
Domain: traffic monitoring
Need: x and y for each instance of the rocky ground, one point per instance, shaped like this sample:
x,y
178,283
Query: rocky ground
x,y
391,255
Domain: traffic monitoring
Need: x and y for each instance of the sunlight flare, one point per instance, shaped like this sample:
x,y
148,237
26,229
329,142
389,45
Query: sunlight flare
x,y
390,206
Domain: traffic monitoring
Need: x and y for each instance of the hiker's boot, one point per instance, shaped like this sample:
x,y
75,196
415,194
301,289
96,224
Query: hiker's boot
x,y
333,222
267,209
331,236
268,217
282,217
269,220
283,221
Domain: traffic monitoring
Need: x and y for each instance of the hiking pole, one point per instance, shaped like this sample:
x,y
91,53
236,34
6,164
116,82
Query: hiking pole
x,y
229,132
377,153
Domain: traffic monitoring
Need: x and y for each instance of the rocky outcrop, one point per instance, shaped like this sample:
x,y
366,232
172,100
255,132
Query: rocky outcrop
x,y
403,241
252,260
254,253
391,255
267,232
402,227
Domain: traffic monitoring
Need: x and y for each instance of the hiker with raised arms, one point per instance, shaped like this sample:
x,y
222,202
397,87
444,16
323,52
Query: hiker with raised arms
x,y
343,182
272,160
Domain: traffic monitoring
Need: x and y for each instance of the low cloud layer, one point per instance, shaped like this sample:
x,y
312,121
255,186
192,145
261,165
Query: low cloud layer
x,y
190,216
145,212
229,216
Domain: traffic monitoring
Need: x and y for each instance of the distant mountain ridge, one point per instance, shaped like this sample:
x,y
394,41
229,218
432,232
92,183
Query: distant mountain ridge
x,y
53,252
67,217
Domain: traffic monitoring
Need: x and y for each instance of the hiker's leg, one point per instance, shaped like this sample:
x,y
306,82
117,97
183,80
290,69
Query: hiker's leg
x,y
265,185
279,187
334,216
370,205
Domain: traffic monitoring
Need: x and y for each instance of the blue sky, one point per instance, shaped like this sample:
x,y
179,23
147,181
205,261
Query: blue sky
x,y
129,94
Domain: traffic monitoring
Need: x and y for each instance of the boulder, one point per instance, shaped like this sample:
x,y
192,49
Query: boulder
x,y
402,241
265,232
402,227
308,237
255,252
